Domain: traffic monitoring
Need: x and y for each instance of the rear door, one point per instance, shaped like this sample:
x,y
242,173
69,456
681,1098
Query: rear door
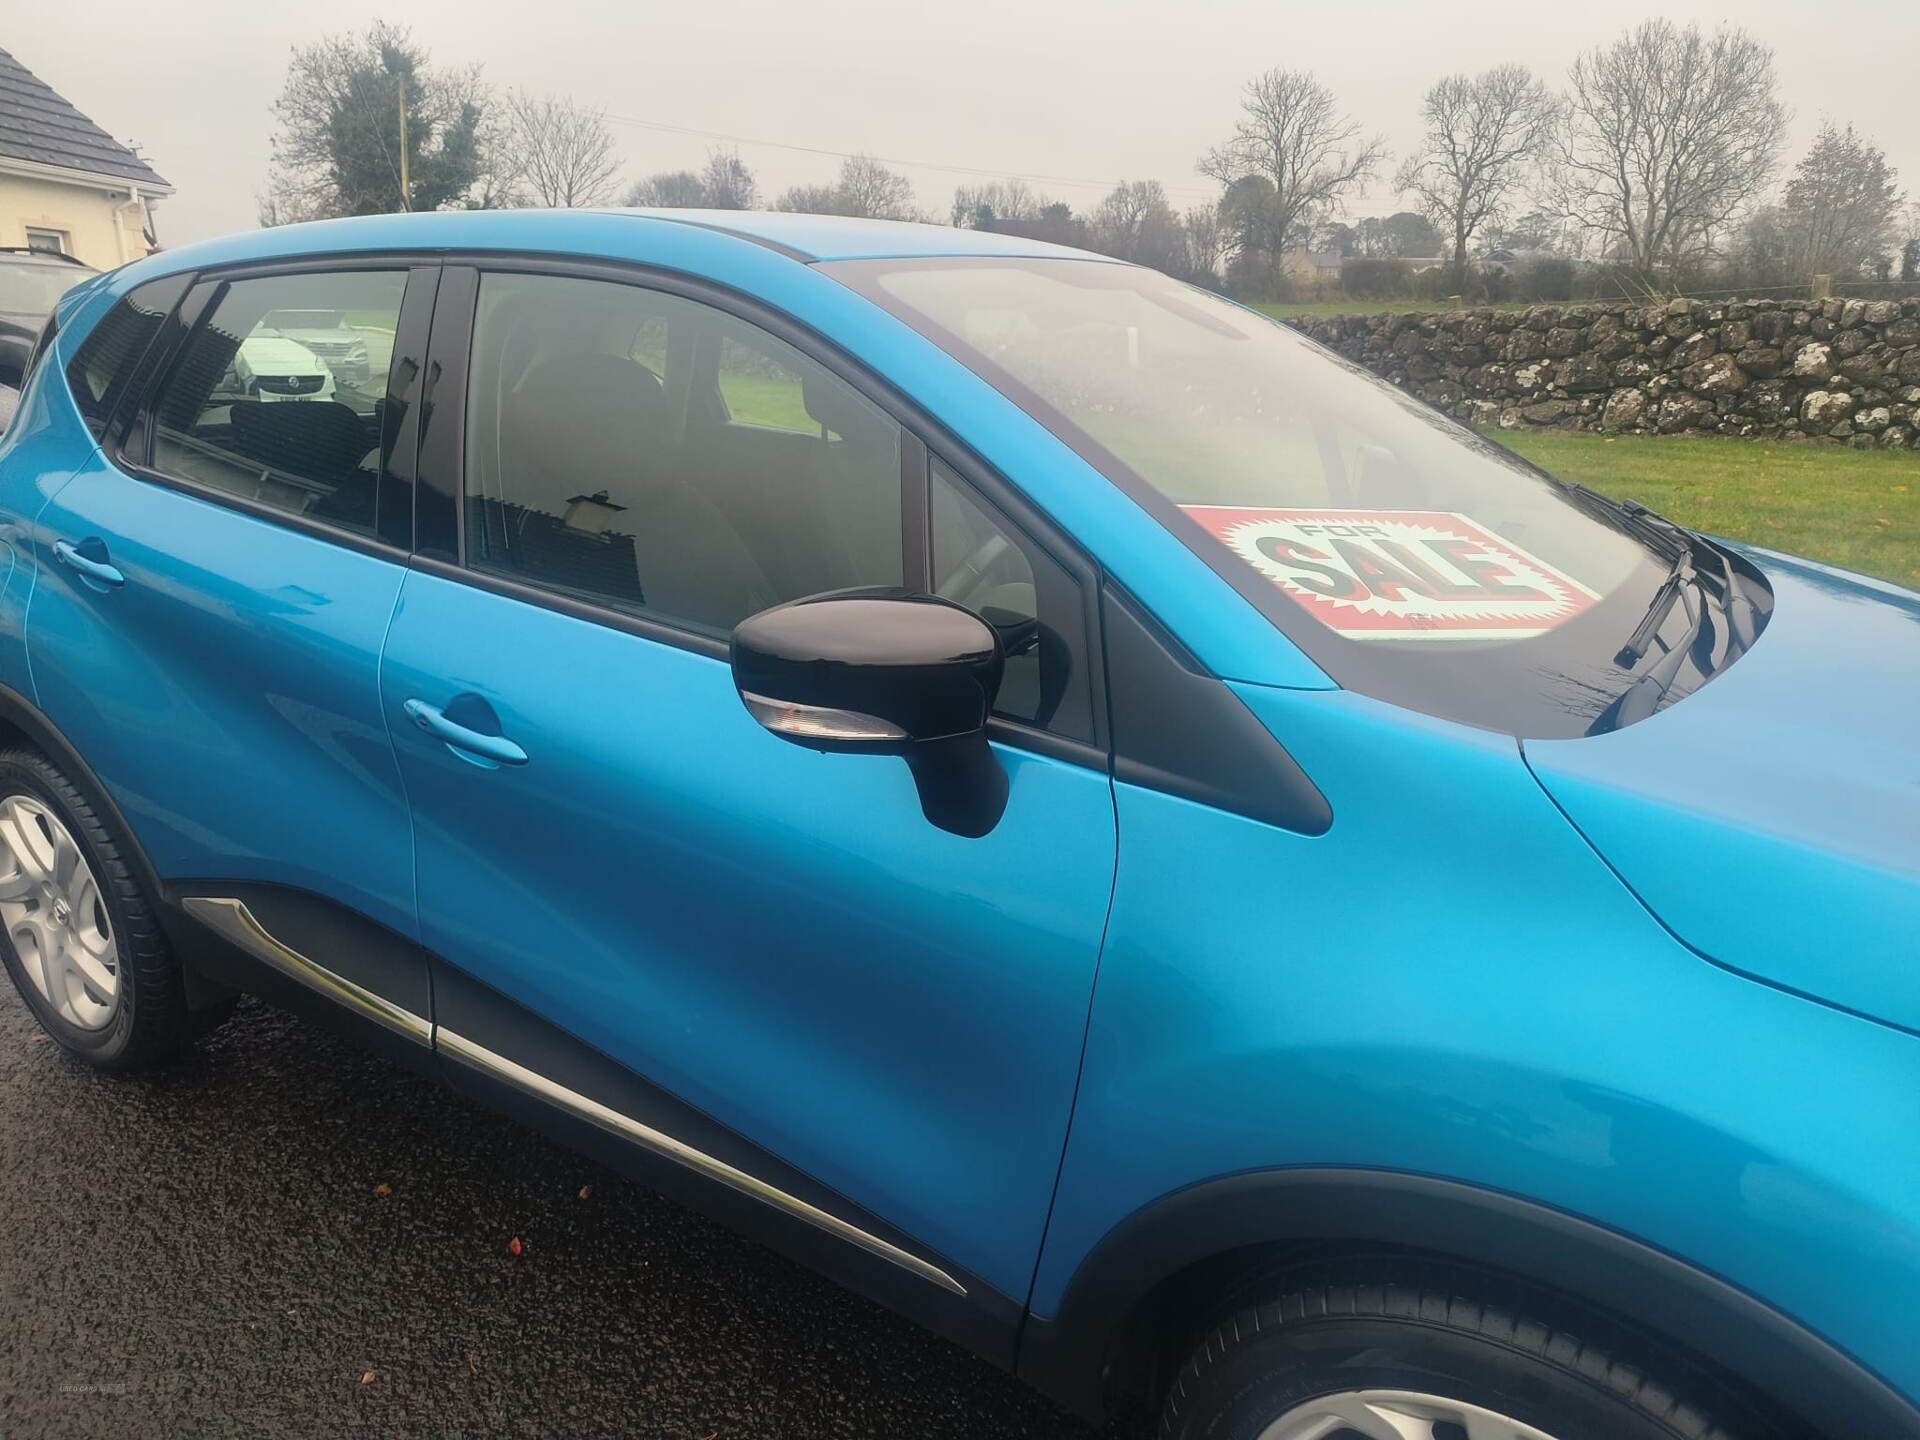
x,y
644,901
214,586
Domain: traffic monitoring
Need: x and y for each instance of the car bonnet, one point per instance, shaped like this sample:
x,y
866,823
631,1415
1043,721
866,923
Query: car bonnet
x,y
1772,819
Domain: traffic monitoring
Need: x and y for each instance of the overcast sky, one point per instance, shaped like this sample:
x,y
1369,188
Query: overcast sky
x,y
1084,92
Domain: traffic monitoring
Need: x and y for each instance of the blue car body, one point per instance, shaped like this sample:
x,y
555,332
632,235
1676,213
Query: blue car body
x,y
1633,1014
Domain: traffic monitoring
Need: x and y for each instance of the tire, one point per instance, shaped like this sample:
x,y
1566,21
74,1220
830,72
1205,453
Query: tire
x,y
147,1020
1409,1333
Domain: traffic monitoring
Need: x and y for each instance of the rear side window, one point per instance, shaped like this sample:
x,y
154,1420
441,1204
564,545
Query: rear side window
x,y
103,369
277,396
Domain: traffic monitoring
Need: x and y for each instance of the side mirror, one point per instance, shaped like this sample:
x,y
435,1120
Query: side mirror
x,y
883,672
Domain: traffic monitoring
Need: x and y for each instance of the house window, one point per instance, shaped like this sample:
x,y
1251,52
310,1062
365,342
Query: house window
x,y
47,242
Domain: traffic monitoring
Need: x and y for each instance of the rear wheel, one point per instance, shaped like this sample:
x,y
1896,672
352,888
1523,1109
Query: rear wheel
x,y
78,933
1418,1352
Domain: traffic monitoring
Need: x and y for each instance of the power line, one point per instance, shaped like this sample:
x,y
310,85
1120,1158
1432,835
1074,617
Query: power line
x,y
1079,182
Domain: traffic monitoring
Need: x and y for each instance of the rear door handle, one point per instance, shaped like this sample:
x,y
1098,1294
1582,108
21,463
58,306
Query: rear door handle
x,y
433,720
98,571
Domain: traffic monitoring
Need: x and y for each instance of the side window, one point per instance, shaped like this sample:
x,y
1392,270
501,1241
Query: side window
x,y
650,453
103,366
277,395
983,563
759,390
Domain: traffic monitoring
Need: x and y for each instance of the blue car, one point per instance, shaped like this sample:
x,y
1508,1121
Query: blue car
x,y
1037,790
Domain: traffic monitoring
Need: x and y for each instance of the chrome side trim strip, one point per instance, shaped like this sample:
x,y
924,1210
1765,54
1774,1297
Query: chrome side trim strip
x,y
531,1082
234,921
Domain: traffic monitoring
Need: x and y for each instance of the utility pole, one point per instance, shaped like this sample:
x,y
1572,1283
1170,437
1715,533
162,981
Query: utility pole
x,y
406,191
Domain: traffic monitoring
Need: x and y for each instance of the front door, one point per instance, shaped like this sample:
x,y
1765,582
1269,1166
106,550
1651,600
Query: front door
x,y
612,853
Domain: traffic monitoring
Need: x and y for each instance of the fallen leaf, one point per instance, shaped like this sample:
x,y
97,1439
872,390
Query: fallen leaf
x,y
383,1189
514,1247
367,1379
473,1362
586,1192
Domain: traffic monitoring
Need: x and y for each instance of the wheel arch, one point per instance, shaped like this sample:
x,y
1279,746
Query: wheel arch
x,y
23,722
1157,1277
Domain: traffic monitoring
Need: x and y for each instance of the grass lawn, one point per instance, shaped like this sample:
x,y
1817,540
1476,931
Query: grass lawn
x,y
1853,508
763,400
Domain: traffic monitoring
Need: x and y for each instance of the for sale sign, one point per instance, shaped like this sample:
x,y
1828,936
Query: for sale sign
x,y
1400,573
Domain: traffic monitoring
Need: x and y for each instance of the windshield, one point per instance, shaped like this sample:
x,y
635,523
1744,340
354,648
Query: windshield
x,y
31,287
1411,558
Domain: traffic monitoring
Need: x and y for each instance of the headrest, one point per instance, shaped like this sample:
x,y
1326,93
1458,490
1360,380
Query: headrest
x,y
314,439
834,405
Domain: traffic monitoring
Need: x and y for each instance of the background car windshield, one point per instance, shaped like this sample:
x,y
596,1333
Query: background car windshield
x,y
31,287
1408,556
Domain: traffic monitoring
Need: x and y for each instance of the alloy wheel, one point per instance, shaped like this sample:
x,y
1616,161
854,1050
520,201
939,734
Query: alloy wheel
x,y
51,905
1395,1415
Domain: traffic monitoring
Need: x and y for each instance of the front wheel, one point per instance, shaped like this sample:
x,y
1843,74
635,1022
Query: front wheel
x,y
1410,1352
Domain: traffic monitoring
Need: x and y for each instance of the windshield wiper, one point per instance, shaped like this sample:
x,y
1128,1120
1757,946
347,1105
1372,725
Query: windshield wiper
x,y
1678,542
1742,623
1681,577
1643,697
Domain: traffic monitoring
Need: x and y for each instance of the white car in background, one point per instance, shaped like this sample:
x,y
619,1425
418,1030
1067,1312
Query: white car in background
x,y
269,366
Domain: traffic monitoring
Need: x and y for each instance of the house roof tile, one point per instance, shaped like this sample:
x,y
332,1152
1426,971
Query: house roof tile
x,y
36,124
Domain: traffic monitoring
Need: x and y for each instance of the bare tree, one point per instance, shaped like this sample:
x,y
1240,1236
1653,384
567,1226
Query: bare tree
x,y
1669,134
1291,135
865,188
1135,222
668,190
810,200
724,183
559,154
870,189
729,185
1484,135
996,200
1841,206
1207,243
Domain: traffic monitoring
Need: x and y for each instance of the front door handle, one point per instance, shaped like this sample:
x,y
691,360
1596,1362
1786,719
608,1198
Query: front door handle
x,y
91,568
433,720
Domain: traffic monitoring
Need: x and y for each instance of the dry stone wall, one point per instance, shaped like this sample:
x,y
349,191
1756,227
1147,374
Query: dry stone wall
x,y
1835,372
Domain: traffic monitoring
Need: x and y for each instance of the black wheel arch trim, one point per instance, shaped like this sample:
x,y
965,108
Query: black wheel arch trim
x,y
1070,1354
26,717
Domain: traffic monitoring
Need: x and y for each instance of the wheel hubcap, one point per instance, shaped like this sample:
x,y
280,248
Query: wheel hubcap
x,y
1395,1415
51,906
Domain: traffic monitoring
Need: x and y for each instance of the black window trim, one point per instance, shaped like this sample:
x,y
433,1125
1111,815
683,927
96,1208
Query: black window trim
x,y
441,472
133,450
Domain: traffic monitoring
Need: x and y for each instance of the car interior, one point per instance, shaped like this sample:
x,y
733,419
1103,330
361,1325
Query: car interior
x,y
603,460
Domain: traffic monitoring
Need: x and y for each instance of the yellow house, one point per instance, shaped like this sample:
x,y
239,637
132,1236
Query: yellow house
x,y
65,184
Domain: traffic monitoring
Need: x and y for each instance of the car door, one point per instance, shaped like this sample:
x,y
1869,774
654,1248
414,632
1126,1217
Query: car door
x,y
644,900
214,586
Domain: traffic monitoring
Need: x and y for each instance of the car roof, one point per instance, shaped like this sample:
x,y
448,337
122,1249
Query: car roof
x,y
841,237
804,238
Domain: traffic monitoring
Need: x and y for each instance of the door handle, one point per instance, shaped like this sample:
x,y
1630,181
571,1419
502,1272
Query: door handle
x,y
98,571
433,720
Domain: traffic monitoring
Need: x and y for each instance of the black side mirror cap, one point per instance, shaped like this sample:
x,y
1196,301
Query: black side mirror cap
x,y
883,672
